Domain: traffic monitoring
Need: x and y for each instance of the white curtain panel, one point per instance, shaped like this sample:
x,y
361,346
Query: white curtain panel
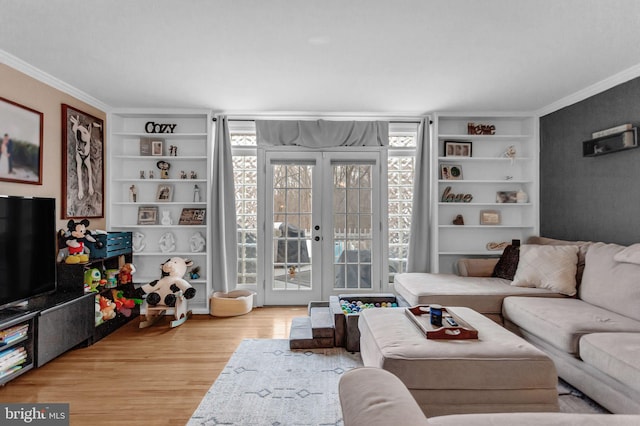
x,y
418,256
224,262
322,133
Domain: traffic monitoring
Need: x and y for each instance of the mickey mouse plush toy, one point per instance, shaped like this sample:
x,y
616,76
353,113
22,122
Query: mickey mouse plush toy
x,y
77,234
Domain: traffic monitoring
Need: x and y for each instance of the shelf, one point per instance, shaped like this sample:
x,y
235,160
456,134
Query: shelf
x,y
483,159
483,137
460,181
170,254
161,135
486,226
609,144
160,157
160,180
141,227
458,204
193,139
484,175
471,253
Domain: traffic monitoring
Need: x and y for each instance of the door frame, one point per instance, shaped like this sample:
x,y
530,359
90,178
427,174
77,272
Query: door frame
x,y
379,215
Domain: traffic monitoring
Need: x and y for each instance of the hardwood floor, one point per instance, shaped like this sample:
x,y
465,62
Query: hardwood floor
x,y
152,376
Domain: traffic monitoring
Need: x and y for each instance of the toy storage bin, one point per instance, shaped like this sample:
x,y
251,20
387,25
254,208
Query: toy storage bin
x,y
236,302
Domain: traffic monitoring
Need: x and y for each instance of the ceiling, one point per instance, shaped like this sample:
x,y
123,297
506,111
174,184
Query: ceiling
x,y
400,57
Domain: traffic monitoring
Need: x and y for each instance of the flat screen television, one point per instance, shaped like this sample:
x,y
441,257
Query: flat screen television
x,y
27,248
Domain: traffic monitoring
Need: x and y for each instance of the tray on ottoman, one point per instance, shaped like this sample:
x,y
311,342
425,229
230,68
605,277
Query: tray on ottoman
x,y
420,316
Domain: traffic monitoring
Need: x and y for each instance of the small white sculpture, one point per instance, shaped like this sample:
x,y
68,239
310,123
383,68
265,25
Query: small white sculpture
x,y
167,243
197,242
166,218
521,196
138,242
510,153
196,194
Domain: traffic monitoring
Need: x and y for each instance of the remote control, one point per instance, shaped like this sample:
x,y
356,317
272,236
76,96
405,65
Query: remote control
x,y
452,322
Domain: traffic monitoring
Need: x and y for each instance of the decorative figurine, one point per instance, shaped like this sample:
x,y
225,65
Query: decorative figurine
x,y
141,174
166,218
197,242
194,175
151,174
196,194
164,169
138,243
183,175
167,243
133,194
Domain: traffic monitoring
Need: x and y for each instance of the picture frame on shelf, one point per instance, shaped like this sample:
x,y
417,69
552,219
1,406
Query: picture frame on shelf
x,y
145,147
82,164
490,217
147,215
192,216
21,135
506,197
451,171
156,147
457,149
164,193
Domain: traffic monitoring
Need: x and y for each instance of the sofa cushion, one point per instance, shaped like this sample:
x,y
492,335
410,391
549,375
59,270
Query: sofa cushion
x,y
583,247
480,294
610,284
630,254
534,419
508,263
550,267
562,322
615,354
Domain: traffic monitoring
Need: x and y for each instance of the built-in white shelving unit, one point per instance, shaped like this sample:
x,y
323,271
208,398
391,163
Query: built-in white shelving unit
x,y
190,166
485,170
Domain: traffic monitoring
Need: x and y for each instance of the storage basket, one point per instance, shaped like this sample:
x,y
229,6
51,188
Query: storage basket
x,y
236,302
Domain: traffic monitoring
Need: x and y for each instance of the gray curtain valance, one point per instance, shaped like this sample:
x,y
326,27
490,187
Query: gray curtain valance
x,y
322,133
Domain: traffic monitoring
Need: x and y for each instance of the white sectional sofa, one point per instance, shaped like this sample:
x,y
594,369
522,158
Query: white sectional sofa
x,y
594,338
375,397
592,332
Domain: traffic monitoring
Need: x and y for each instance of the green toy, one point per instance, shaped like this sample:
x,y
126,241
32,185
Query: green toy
x,y
92,279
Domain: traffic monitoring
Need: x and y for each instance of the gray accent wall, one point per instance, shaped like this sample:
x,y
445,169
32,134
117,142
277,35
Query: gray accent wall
x,y
590,198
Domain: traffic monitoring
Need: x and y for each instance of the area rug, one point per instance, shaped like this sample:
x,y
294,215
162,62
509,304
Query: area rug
x,y
266,383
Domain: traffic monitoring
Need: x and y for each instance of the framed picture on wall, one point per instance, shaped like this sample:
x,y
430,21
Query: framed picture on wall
x,y
21,143
82,164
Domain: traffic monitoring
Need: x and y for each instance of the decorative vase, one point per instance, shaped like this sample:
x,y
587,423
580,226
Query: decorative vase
x,y
521,196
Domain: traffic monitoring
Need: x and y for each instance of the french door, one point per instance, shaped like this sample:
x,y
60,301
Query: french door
x,y
322,225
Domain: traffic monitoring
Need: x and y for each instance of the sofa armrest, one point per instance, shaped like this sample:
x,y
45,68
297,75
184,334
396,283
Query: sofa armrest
x,y
375,397
477,267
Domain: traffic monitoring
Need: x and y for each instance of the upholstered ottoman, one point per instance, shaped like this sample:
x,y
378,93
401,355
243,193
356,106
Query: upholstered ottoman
x,y
498,372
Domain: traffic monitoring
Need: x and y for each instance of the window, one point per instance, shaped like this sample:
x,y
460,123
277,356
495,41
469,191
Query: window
x,y
400,173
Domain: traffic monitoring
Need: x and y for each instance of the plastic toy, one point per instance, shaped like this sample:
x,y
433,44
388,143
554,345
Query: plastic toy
x,y
75,237
125,275
123,304
92,278
107,308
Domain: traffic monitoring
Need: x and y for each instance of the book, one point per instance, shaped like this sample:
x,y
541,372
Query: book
x,y
612,131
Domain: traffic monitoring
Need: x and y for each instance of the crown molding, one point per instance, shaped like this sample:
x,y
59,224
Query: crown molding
x,y
36,73
594,89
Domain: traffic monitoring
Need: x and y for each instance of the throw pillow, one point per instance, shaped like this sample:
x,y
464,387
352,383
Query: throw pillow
x,y
508,263
549,267
630,254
